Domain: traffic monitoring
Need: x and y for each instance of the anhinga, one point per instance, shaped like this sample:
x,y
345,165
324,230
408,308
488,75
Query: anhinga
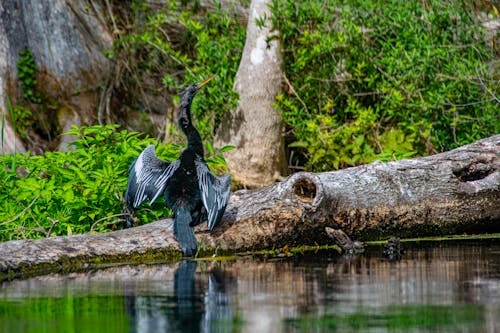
x,y
191,191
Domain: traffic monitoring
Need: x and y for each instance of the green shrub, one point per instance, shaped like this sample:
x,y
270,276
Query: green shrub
x,y
78,191
383,79
26,72
203,43
219,44
34,111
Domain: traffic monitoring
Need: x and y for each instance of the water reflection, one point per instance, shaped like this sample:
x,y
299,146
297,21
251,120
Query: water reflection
x,y
447,289
193,307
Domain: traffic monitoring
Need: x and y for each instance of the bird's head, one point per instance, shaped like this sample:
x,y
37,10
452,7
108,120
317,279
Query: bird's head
x,y
186,99
193,88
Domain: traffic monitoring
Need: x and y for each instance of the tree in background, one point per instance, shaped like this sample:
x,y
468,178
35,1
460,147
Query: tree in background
x,y
255,127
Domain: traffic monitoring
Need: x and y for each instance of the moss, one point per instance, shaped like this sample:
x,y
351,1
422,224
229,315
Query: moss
x,y
449,238
287,251
79,264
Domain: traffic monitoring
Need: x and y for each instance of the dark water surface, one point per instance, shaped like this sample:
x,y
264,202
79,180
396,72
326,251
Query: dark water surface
x,y
442,288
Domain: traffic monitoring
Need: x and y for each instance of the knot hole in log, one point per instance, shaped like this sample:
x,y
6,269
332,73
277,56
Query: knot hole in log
x,y
305,190
474,171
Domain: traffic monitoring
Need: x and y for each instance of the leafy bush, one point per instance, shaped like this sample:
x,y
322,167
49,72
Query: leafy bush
x,y
203,43
383,79
78,191
27,70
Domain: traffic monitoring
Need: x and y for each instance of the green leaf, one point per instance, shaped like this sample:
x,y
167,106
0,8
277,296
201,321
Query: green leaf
x,y
226,149
210,148
298,144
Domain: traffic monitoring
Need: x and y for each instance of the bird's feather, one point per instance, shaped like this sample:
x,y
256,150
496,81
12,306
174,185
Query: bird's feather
x,y
148,177
215,192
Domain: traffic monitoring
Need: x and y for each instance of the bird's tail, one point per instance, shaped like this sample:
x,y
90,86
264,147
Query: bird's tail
x,y
184,233
128,210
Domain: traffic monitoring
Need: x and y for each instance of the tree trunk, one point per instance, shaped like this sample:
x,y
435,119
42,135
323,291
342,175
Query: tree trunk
x,y
9,142
67,39
448,193
255,127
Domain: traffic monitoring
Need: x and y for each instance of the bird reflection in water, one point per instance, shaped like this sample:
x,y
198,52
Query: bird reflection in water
x,y
188,306
198,304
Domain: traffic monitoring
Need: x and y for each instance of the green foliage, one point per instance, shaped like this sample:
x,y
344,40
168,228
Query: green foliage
x,y
23,118
383,79
66,312
219,43
78,191
34,112
26,72
209,43
214,158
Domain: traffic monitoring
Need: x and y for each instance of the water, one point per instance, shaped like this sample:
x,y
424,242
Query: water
x,y
443,288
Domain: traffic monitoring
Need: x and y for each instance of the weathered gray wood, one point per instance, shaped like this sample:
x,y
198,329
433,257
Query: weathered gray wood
x,y
452,192
155,240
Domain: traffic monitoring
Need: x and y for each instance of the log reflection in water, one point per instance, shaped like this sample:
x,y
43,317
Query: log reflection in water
x,y
261,295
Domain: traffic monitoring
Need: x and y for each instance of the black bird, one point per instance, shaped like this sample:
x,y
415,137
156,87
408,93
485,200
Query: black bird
x,y
191,191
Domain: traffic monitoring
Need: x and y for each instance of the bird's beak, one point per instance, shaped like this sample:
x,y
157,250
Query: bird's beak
x,y
201,84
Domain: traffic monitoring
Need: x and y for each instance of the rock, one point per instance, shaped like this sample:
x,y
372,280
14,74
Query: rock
x,y
66,40
392,249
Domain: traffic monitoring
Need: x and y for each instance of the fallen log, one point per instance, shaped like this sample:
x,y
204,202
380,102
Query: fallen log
x,y
448,193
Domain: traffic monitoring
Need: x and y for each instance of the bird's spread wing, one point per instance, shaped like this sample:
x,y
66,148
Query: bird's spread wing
x,y
148,177
215,192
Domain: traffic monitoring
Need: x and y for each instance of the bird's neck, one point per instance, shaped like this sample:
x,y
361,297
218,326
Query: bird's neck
x,y
193,136
194,140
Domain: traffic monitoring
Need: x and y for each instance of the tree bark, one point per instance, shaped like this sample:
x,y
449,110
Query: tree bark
x,y
67,39
10,142
255,127
448,193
